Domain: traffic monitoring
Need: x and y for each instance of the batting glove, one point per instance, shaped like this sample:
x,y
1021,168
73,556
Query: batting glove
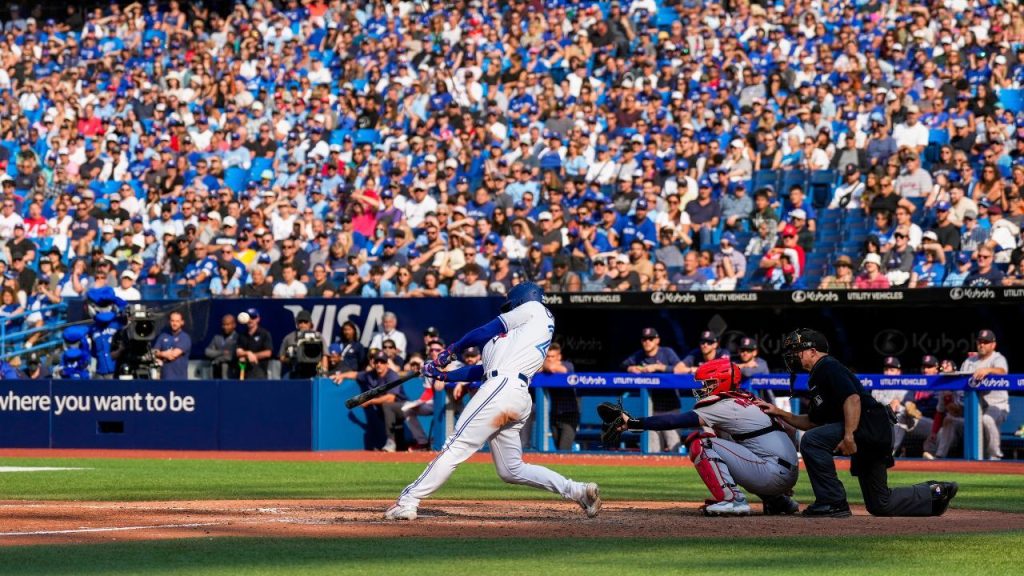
x,y
445,357
430,370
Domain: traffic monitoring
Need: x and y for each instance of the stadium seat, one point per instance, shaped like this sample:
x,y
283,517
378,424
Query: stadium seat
x,y
338,136
821,184
940,137
791,178
764,178
367,136
236,179
665,17
1012,99
258,166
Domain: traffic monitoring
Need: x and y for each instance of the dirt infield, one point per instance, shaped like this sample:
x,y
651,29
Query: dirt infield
x,y
33,523
606,459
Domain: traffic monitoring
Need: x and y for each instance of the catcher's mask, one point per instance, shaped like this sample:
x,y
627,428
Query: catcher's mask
x,y
717,376
799,340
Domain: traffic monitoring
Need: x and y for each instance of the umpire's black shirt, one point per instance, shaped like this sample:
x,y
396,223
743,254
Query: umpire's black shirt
x,y
830,384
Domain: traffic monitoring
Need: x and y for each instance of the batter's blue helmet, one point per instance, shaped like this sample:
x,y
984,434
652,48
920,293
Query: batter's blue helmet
x,y
522,293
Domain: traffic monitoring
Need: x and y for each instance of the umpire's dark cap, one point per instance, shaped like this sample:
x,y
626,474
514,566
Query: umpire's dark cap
x,y
805,339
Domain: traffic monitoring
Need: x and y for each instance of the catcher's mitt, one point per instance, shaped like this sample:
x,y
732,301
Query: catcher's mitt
x,y
616,420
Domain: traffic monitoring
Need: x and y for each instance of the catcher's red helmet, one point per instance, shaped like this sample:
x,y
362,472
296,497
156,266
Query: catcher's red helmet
x,y
717,376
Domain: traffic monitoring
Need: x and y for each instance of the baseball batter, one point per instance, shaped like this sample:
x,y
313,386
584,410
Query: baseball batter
x,y
755,451
514,347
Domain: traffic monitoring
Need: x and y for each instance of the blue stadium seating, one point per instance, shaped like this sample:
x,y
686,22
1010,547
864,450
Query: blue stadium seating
x,y
236,178
1012,99
821,184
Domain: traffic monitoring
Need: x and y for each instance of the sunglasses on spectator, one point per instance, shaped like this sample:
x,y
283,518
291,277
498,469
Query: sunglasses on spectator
x,y
389,346
900,236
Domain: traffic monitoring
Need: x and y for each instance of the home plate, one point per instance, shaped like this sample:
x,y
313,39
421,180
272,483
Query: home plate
x,y
36,469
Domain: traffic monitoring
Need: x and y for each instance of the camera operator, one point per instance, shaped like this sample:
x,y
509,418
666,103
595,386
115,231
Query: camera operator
x,y
221,350
255,347
172,349
303,350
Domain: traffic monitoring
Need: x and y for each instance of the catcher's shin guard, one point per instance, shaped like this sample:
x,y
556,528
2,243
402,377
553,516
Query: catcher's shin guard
x,y
710,467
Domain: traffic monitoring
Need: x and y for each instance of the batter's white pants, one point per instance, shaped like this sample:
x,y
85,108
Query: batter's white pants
x,y
495,415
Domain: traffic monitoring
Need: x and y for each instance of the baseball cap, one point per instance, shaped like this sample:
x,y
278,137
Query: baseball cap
x,y
431,331
986,336
930,235
944,206
303,316
229,221
380,357
971,214
789,230
334,348
891,362
545,215
929,361
748,344
963,258
995,209
843,260
851,169
798,213
641,204
648,333
708,336
729,237
253,313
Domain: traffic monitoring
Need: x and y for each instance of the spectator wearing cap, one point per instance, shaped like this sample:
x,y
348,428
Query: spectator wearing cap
x,y
565,407
737,208
221,350
910,422
598,279
887,199
913,181
127,290
561,278
930,272
899,260
948,233
388,406
172,349
961,270
623,277
872,277
638,226
748,361
912,134
849,193
989,362
798,220
973,235
986,274
255,347
704,212
843,278
654,358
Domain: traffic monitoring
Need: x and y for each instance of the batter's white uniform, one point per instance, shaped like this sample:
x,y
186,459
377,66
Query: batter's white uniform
x,y
499,410
764,463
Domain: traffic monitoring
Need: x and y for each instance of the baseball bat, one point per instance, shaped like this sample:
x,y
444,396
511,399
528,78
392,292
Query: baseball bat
x,y
379,391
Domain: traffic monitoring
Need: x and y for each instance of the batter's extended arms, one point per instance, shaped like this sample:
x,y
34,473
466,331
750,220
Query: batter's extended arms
x,y
379,391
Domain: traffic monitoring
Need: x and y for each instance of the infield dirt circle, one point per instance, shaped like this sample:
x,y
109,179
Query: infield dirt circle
x,y
59,522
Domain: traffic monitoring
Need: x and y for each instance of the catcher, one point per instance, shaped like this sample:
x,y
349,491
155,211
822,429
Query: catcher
x,y
746,447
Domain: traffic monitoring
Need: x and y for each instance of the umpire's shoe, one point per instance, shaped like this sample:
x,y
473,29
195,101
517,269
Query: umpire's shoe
x,y
781,505
838,510
942,493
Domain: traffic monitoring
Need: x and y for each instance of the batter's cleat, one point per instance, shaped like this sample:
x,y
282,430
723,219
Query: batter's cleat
x,y
591,500
840,510
942,493
780,506
728,508
400,512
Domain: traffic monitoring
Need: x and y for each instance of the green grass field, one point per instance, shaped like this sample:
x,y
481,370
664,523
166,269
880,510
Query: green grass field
x,y
110,479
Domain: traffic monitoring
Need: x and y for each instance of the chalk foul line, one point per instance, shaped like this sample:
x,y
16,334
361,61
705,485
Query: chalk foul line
x,y
110,529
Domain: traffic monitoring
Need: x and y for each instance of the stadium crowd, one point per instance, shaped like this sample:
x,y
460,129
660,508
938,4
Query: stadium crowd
x,y
310,148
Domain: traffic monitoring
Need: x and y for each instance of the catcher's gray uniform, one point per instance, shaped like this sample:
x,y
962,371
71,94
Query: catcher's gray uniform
x,y
752,448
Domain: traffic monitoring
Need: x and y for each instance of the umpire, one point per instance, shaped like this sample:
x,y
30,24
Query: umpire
x,y
843,419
